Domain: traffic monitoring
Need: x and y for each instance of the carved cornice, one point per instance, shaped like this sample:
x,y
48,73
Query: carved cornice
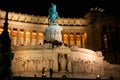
x,y
43,19
21,25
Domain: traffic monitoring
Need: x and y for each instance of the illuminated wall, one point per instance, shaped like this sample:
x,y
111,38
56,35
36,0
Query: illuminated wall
x,y
65,38
22,37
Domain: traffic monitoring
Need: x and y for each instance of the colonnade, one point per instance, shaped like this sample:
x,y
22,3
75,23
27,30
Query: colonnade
x,y
78,39
21,37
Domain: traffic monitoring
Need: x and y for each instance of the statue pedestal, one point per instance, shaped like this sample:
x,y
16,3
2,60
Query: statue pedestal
x,y
53,33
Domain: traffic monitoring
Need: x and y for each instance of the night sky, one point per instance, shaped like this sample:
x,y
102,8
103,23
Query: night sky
x,y
65,8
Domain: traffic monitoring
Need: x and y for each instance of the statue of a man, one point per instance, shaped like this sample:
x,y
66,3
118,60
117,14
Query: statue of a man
x,y
53,15
63,62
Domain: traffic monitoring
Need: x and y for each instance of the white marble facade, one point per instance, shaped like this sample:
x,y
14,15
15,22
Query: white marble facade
x,y
62,59
74,62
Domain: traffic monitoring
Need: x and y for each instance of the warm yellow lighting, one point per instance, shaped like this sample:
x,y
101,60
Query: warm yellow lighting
x,y
34,35
21,35
21,32
40,33
14,33
65,34
1,31
27,32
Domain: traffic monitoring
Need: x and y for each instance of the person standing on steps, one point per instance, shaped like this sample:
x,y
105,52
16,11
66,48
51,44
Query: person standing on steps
x,y
51,72
43,72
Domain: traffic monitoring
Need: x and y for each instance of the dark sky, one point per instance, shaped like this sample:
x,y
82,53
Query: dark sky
x,y
65,8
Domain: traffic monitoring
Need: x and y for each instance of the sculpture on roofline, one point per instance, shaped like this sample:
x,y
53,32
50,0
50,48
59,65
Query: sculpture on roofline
x,y
53,14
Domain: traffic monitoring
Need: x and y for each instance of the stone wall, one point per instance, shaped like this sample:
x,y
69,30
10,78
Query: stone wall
x,y
62,59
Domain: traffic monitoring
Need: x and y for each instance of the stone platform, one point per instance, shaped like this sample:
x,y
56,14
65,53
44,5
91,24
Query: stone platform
x,y
74,62
54,78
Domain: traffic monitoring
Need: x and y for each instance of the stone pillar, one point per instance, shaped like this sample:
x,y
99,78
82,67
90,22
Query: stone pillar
x,y
68,39
63,37
90,37
30,37
81,40
24,42
17,40
74,38
37,38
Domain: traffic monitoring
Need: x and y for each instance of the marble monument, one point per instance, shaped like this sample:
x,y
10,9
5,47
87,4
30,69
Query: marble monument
x,y
71,61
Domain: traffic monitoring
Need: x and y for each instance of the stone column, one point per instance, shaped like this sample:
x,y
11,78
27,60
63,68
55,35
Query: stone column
x,y
37,38
68,39
30,37
24,42
17,42
89,39
74,38
91,34
63,37
81,40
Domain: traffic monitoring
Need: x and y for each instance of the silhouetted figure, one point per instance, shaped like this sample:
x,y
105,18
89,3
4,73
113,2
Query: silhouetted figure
x,y
40,44
35,76
43,72
111,78
51,72
19,78
64,76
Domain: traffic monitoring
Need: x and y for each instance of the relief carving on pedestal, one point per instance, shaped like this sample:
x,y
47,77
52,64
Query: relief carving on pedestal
x,y
32,64
79,65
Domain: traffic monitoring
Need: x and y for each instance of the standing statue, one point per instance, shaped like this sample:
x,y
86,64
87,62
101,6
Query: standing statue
x,y
53,15
62,62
